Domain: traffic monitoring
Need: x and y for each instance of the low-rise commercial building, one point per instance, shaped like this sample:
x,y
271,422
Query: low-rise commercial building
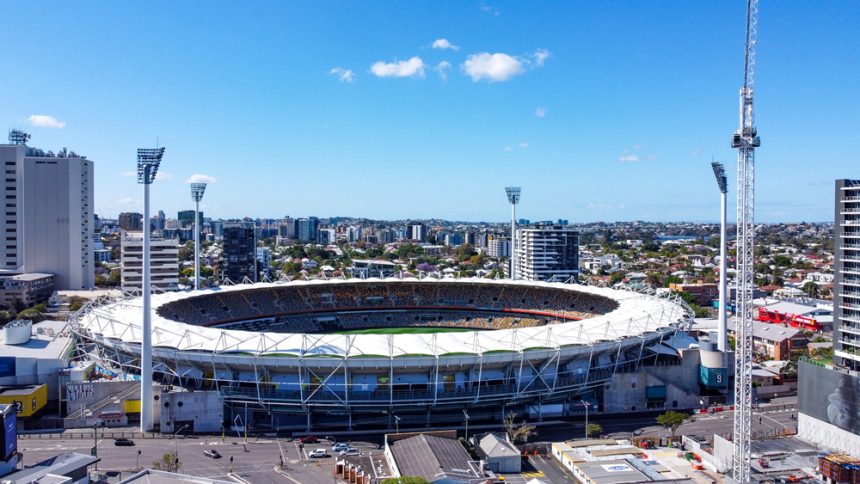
x,y
25,289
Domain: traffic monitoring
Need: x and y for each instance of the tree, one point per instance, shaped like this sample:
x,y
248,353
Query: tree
x,y
594,430
672,420
76,302
405,480
168,462
518,432
616,277
811,289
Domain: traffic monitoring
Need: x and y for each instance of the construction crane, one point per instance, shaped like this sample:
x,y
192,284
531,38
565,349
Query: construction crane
x,y
746,140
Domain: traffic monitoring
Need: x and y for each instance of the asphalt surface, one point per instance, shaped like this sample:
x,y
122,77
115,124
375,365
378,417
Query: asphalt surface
x,y
257,461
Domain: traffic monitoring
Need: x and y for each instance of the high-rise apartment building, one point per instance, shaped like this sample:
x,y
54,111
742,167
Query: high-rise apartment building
x,y
306,229
239,257
846,289
418,232
547,251
131,221
498,246
48,217
164,262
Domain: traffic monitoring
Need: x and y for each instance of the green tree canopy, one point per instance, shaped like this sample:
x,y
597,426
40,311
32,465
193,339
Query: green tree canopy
x,y
672,420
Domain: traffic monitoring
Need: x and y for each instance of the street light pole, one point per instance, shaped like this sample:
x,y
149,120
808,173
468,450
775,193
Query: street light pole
x,y
176,444
397,423
197,190
465,414
586,405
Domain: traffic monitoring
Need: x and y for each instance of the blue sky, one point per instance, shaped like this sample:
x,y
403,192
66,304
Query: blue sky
x,y
599,110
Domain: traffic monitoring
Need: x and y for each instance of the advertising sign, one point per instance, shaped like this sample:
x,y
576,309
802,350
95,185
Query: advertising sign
x,y
830,396
10,435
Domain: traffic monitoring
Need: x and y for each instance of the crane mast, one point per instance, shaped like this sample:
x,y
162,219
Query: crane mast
x,y
746,140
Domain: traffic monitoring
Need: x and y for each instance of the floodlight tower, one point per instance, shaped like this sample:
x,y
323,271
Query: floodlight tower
x,y
746,140
197,190
148,160
720,174
513,198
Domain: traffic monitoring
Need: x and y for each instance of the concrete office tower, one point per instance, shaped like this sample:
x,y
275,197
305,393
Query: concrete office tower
x,y
164,262
846,290
547,251
48,216
239,257
418,232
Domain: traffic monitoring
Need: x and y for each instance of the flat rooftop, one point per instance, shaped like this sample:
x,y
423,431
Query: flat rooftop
x,y
49,340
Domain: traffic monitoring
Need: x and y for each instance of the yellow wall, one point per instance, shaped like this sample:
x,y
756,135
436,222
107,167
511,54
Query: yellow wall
x,y
132,406
31,402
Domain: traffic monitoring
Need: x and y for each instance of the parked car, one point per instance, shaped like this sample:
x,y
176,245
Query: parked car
x,y
309,439
319,453
123,442
213,454
348,451
339,446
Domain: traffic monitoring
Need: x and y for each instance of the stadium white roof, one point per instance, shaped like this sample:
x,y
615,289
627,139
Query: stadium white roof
x,y
636,314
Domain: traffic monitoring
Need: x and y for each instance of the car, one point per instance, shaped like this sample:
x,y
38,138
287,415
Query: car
x,y
309,439
123,442
213,454
348,451
319,453
339,446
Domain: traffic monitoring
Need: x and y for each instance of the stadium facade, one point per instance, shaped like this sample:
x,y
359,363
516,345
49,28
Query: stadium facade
x,y
360,353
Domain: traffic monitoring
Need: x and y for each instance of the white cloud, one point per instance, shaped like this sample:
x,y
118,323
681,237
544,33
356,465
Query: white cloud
x,y
489,9
605,206
441,68
45,121
634,155
345,75
444,44
198,178
518,146
540,56
540,111
125,201
414,67
163,175
492,67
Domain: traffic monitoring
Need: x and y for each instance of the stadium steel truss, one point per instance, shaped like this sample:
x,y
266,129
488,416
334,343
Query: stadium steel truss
x,y
571,341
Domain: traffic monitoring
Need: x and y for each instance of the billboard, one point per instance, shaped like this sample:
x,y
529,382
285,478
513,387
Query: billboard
x,y
9,436
830,396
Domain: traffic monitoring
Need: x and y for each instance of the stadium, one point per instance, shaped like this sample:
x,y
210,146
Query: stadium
x,y
368,353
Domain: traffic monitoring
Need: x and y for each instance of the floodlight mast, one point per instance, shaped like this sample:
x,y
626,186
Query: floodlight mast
x,y
197,190
148,160
746,140
513,198
722,329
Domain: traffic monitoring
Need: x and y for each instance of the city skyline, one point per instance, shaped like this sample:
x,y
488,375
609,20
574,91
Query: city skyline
x,y
316,109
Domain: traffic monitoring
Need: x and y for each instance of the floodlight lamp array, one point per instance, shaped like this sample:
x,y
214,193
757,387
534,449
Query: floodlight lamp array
x,y
513,194
720,174
148,160
197,190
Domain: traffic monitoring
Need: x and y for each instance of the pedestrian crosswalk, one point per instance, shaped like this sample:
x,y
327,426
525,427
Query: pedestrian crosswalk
x,y
532,475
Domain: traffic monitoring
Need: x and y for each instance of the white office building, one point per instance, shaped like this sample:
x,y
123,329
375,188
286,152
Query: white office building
x,y
547,251
164,263
48,216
